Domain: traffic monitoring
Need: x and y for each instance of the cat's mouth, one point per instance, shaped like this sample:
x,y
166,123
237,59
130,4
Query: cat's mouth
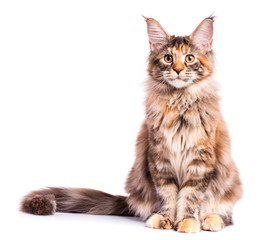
x,y
179,78
179,82
185,79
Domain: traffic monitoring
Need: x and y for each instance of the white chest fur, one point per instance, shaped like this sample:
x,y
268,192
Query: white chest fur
x,y
181,143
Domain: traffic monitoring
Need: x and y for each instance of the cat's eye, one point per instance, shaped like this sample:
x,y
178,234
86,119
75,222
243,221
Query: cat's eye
x,y
168,58
189,58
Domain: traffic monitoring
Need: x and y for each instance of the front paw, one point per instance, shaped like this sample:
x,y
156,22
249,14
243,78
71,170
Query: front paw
x,y
213,223
157,221
188,225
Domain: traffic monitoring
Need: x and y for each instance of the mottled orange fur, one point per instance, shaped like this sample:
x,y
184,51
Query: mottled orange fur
x,y
183,176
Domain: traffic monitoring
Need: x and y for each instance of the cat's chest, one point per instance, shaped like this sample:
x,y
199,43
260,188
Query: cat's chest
x,y
181,130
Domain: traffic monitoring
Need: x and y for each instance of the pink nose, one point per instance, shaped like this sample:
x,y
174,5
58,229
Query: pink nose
x,y
178,69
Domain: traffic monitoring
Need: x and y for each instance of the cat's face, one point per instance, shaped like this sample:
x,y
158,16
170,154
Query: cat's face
x,y
180,61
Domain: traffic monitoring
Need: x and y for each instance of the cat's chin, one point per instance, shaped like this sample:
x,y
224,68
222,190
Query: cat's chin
x,y
178,83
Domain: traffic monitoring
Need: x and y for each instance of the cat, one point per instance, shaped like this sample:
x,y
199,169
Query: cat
x,y
183,177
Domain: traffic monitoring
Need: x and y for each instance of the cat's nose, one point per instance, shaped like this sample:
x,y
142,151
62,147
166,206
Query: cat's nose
x,y
177,69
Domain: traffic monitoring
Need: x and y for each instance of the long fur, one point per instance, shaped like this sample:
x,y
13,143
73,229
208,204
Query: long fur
x,y
74,200
183,176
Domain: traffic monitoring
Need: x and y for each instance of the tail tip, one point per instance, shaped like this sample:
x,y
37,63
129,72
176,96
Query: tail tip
x,y
39,204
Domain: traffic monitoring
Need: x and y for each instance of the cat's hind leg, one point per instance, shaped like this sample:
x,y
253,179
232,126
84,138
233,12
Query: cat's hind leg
x,y
220,197
215,214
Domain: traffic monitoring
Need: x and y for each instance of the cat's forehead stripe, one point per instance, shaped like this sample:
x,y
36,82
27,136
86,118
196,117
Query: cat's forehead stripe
x,y
181,50
185,48
179,45
178,41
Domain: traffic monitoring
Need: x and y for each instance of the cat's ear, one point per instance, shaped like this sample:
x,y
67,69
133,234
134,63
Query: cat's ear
x,y
202,37
157,35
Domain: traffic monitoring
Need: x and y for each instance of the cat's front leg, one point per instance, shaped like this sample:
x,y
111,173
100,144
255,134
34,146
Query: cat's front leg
x,y
167,191
165,217
199,174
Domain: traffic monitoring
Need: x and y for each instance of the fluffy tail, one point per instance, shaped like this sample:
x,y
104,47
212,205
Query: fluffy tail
x,y
74,200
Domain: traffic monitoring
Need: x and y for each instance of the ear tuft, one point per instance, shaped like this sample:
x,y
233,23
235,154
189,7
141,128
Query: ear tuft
x,y
157,35
202,36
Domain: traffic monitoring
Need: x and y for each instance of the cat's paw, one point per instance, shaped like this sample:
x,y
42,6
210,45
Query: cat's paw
x,y
157,221
213,223
188,225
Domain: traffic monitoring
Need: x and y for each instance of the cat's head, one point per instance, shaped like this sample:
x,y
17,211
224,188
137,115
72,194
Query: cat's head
x,y
177,62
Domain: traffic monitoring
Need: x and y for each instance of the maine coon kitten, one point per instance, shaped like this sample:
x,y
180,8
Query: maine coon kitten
x,y
183,176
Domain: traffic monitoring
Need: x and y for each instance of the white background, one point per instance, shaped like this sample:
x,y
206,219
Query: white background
x,y
71,104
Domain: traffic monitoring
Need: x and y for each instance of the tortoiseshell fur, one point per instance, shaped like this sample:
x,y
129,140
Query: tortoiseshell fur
x,y
183,176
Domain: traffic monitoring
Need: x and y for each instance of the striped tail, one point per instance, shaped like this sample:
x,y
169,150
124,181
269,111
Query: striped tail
x,y
74,200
